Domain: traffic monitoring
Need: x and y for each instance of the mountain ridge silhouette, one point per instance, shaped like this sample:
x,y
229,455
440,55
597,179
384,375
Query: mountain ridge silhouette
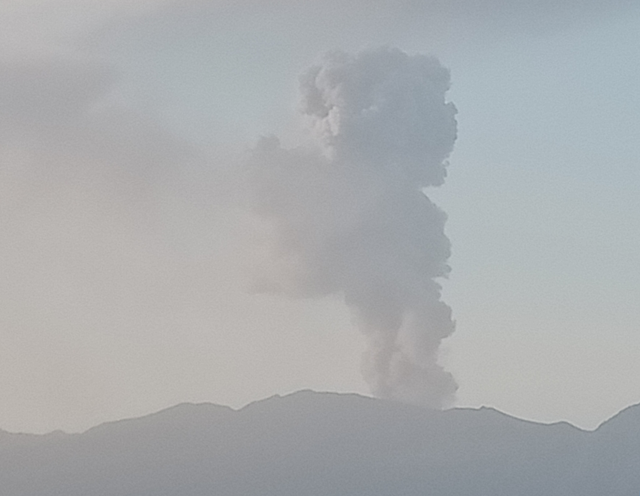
x,y
326,444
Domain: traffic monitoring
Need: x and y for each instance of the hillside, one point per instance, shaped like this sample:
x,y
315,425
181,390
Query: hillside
x,y
325,444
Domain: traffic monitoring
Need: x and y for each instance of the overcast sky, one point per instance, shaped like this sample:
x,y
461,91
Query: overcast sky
x,y
127,254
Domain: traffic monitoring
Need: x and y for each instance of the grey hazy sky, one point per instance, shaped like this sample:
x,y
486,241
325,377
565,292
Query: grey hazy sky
x,y
126,252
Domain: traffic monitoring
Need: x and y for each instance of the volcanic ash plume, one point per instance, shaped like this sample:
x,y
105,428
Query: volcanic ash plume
x,y
350,217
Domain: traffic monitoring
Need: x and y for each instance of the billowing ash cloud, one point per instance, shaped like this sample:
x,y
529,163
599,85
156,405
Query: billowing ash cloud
x,y
351,217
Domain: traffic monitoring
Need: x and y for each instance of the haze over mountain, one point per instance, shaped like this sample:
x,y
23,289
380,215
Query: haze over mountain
x,y
127,245
326,444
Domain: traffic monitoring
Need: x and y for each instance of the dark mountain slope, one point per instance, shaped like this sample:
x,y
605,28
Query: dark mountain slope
x,y
322,444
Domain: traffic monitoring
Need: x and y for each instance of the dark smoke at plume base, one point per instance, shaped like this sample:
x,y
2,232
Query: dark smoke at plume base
x,y
350,217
